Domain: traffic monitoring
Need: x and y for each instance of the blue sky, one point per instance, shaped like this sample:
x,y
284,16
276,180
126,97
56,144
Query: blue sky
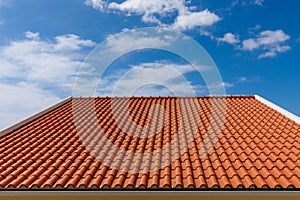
x,y
255,45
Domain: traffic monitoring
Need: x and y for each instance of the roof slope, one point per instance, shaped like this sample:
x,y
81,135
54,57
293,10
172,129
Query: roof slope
x,y
257,148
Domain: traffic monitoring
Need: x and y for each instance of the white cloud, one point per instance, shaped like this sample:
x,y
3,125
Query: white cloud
x,y
71,42
155,10
31,35
151,79
47,61
273,51
258,2
281,49
250,44
191,20
214,88
229,38
256,27
242,4
242,79
149,8
221,85
205,33
136,40
272,42
267,54
96,4
35,73
21,100
272,37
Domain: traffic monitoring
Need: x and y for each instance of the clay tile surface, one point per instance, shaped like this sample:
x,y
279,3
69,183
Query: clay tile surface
x,y
153,143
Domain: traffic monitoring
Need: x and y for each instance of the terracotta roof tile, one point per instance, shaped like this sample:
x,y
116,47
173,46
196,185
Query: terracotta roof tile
x,y
257,147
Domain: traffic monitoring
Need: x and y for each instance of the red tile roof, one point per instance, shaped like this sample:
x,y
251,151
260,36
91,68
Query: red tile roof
x,y
257,148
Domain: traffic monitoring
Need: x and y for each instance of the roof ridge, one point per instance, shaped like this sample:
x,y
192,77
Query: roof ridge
x,y
34,117
126,97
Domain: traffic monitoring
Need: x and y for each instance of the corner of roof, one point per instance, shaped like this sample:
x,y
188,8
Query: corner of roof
x,y
286,113
34,117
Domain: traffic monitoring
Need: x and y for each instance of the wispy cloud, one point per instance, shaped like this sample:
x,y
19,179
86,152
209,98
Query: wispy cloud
x,y
136,40
244,79
47,61
20,100
255,28
97,4
230,84
271,42
241,4
161,77
32,35
258,2
268,43
4,3
216,86
155,11
36,73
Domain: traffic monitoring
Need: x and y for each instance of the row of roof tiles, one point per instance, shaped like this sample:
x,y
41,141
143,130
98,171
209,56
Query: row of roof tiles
x,y
257,148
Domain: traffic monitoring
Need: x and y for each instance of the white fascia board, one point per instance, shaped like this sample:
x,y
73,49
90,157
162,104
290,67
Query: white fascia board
x,y
279,109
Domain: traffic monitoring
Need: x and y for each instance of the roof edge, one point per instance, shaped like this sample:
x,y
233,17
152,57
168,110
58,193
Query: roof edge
x,y
33,117
286,113
147,97
150,193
